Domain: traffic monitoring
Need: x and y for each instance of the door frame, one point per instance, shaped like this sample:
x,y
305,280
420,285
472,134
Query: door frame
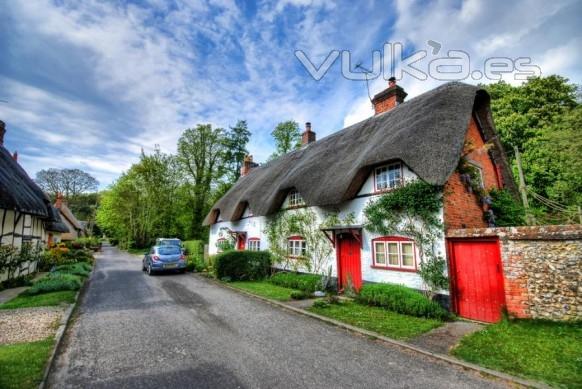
x,y
338,239
451,267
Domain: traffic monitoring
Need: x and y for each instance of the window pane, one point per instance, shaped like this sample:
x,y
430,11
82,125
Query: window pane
x,y
380,253
407,254
394,176
393,254
381,178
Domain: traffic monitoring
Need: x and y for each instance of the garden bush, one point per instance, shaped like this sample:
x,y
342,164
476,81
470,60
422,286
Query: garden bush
x,y
299,295
243,265
306,282
82,269
401,299
195,255
54,282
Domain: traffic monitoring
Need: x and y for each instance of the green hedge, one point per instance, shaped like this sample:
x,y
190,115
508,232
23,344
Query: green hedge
x,y
243,265
306,282
54,282
82,269
401,299
195,254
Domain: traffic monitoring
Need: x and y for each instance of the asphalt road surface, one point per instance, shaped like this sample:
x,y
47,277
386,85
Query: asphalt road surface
x,y
182,331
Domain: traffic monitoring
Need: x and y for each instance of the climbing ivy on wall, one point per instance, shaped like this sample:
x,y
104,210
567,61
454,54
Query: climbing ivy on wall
x,y
412,210
305,223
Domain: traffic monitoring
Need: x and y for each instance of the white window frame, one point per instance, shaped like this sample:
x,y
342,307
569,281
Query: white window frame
x,y
384,183
296,247
480,170
254,244
295,199
385,263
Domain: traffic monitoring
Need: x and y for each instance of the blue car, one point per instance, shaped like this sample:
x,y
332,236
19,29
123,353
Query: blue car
x,y
164,258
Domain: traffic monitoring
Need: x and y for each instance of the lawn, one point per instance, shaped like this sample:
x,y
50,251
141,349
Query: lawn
x,y
41,300
391,324
22,364
264,289
540,350
138,251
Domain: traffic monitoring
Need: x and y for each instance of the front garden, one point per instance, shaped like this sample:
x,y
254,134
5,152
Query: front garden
x,y
537,350
28,322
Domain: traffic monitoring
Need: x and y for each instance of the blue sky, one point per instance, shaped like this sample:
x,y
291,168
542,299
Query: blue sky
x,y
88,84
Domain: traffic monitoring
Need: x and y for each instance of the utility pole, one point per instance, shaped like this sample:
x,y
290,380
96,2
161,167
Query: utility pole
x,y
522,189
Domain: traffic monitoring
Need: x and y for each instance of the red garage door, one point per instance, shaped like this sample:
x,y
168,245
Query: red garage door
x,y
476,279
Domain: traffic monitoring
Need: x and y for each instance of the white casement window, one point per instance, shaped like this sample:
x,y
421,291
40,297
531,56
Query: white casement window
x,y
296,247
388,177
295,199
254,244
394,252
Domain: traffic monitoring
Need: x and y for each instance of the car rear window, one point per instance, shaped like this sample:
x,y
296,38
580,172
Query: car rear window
x,y
169,250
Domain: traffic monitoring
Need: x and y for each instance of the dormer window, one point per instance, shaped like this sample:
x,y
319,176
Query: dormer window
x,y
295,199
388,177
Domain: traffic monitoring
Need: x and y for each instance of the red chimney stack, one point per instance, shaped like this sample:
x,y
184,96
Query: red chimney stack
x,y
389,97
308,136
247,165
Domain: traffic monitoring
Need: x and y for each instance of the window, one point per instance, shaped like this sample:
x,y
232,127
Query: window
x,y
394,252
254,244
295,199
296,247
476,173
388,177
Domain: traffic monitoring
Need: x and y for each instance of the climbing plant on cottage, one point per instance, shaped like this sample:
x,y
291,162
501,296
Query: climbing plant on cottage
x,y
412,210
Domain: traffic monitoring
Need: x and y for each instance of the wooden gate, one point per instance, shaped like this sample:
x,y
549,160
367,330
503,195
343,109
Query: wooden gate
x,y
476,279
349,262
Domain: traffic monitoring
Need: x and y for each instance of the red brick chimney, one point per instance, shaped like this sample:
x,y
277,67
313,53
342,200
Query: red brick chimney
x,y
308,136
59,201
389,97
247,165
2,132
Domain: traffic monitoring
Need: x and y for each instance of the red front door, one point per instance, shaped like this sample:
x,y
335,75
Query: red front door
x,y
349,269
240,242
477,279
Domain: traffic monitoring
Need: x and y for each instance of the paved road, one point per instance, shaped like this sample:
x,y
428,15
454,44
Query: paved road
x,y
135,331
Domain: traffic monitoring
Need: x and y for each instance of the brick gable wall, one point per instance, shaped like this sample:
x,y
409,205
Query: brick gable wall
x,y
461,208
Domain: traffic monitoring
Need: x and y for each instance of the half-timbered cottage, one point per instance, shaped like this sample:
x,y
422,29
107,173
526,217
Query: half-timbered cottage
x,y
76,229
420,139
26,215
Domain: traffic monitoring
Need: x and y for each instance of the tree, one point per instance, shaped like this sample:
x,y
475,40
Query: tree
x,y
542,118
287,138
69,182
202,156
236,140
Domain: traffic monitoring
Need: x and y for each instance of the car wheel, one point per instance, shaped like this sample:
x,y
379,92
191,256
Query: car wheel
x,y
150,271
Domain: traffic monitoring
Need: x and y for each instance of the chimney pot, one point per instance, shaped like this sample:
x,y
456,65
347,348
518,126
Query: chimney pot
x,y
389,98
2,132
247,165
308,136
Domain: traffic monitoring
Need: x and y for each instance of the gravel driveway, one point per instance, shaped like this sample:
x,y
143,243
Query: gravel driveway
x,y
135,331
28,324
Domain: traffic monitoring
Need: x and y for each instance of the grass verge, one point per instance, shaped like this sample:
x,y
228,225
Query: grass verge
x,y
138,251
391,324
41,300
540,350
264,289
22,364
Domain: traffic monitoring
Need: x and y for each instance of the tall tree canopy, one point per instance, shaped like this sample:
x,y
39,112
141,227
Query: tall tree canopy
x,y
69,182
287,138
542,118
236,140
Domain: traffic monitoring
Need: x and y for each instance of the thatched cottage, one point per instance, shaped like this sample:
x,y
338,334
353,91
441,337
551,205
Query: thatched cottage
x,y
74,226
423,138
26,214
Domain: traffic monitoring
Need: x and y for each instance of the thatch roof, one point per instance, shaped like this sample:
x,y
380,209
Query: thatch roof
x,y
68,214
54,222
17,191
427,133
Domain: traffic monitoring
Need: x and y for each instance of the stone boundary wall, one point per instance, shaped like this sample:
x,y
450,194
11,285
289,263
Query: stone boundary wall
x,y
542,269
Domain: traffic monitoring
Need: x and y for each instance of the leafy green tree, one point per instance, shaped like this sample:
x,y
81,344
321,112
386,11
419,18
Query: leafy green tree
x,y
287,138
202,156
542,118
236,140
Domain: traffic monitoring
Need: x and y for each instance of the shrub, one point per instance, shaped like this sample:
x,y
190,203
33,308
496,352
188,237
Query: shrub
x,y
507,210
243,265
321,304
299,295
306,282
54,282
195,254
81,269
401,299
